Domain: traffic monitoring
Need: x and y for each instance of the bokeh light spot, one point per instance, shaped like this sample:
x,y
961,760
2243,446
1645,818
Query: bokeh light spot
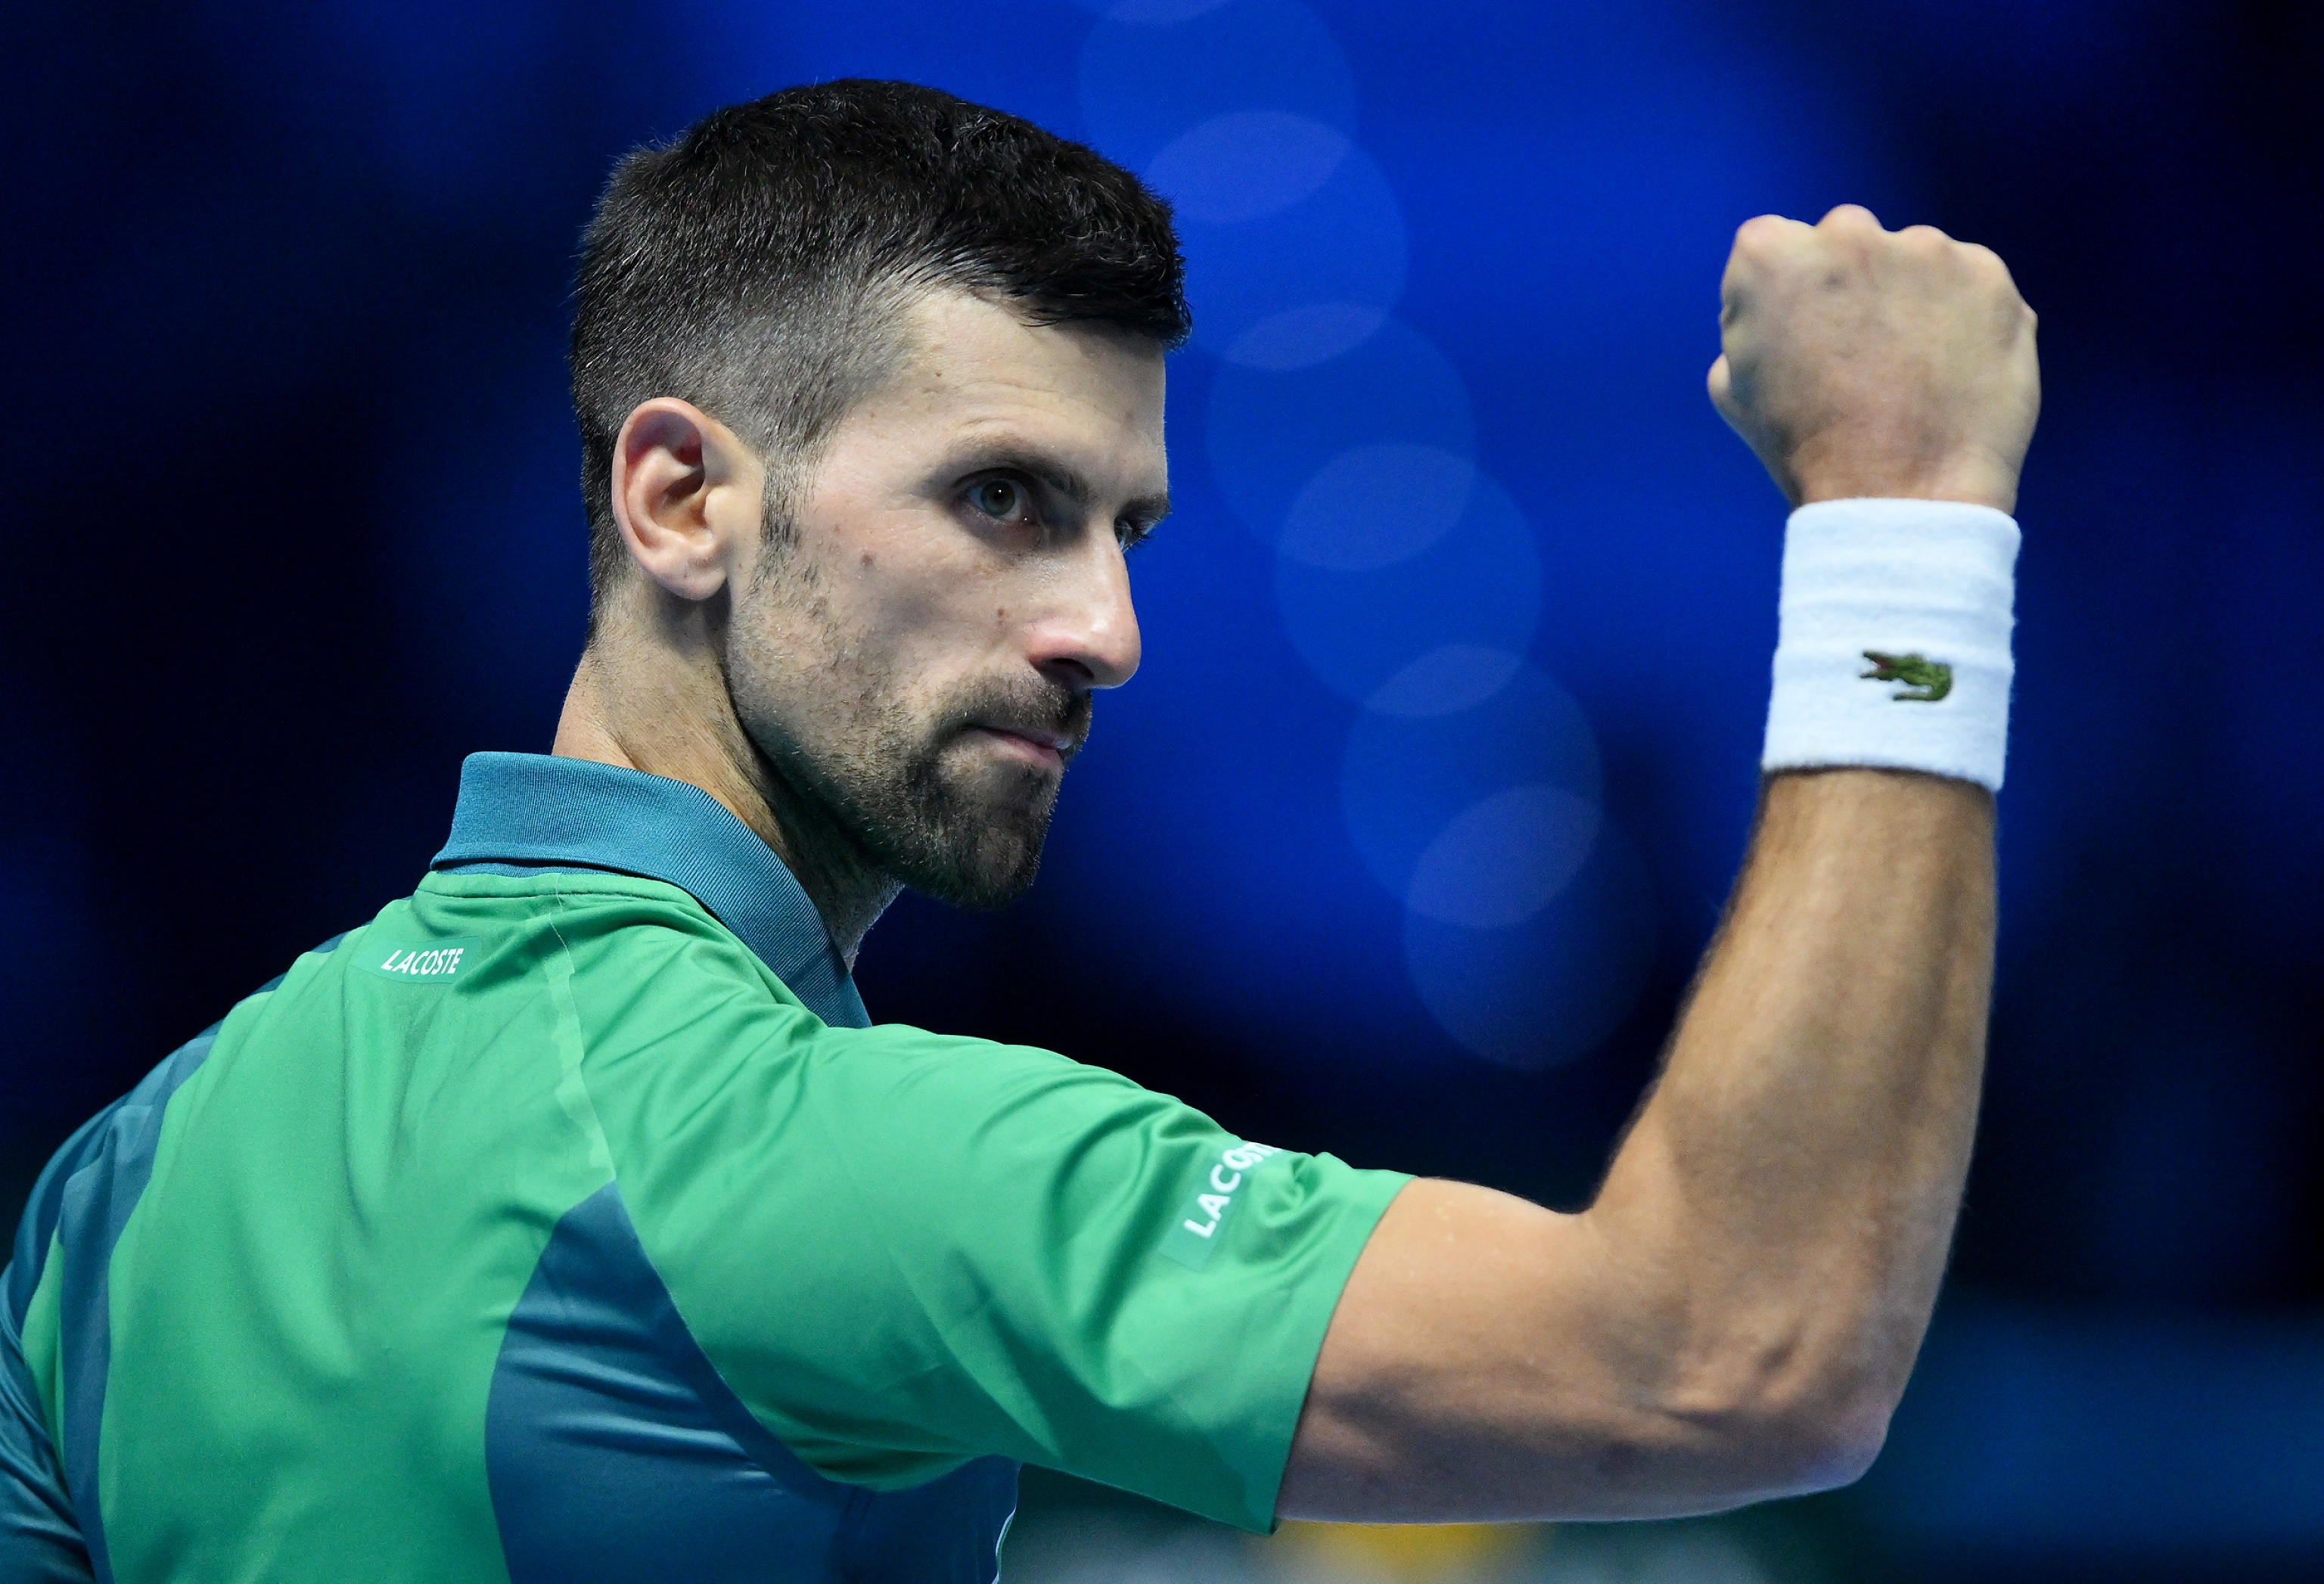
x,y
1554,987
1405,777
1479,585
1245,165
1152,69
1504,858
1342,242
1376,505
1270,431
1298,336
1458,677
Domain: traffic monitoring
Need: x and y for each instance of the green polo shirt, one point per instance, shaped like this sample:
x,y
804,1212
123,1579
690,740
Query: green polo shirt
x,y
568,1219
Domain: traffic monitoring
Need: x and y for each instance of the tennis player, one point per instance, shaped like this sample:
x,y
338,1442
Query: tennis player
x,y
569,1219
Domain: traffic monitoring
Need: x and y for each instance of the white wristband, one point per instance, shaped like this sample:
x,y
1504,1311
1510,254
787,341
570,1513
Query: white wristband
x,y
1893,647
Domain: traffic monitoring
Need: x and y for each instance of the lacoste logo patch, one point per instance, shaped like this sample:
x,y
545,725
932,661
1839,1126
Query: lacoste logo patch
x,y
1190,1242
420,962
1924,680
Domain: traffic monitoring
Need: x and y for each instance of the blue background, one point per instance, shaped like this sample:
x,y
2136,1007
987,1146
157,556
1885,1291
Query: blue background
x,y
1404,840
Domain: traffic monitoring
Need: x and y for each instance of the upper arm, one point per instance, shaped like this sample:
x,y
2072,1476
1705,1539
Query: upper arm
x,y
902,1250
1117,1287
1492,1360
1458,1369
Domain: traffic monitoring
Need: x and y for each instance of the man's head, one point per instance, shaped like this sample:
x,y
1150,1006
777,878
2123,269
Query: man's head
x,y
868,383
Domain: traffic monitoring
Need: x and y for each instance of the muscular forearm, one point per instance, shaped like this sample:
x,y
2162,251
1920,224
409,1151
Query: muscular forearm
x,y
1734,1314
1784,1201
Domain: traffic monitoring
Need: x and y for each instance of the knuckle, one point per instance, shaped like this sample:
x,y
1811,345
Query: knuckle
x,y
1987,265
1851,217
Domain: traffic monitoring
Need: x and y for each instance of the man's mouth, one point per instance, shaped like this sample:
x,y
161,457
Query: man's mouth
x,y
1035,745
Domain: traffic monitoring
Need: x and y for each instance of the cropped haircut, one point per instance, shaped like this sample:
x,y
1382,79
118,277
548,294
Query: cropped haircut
x,y
758,266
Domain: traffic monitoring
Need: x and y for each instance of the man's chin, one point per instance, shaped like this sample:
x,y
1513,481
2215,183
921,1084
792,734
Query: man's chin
x,y
982,859
982,878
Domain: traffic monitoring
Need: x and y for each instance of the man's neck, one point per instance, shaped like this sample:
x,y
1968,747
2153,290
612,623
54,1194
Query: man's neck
x,y
679,728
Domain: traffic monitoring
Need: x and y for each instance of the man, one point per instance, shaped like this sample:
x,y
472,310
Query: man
x,y
569,1221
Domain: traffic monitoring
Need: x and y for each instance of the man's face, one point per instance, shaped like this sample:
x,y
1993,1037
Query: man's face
x,y
919,657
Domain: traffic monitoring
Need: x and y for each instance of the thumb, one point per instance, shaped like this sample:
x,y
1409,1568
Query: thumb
x,y
1722,389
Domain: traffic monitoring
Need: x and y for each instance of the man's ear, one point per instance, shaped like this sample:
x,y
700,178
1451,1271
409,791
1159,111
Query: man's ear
x,y
687,496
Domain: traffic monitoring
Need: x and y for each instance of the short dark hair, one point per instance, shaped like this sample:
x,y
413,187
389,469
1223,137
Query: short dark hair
x,y
755,265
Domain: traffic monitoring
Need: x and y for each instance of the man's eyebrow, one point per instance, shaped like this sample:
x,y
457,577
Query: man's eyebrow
x,y
1145,510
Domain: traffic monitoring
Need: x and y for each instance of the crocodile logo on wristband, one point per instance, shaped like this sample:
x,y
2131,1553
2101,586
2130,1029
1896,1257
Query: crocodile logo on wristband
x,y
1924,680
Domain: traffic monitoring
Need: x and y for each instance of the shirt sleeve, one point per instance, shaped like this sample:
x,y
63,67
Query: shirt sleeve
x,y
903,1250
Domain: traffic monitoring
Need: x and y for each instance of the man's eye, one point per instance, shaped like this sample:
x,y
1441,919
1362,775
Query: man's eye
x,y
998,498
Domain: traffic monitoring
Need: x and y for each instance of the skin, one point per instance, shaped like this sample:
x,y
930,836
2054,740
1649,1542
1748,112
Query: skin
x,y
1735,1315
957,548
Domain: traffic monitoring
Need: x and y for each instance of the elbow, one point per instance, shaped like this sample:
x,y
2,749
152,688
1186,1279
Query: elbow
x,y
1831,1446
1794,1431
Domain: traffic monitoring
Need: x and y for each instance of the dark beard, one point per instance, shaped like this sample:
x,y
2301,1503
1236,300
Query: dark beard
x,y
884,791
970,839
970,851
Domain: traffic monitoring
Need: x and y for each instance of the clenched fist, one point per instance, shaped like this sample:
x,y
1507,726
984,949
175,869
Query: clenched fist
x,y
1863,362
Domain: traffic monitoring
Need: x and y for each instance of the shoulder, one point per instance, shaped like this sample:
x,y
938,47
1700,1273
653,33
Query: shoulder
x,y
979,1094
594,909
625,945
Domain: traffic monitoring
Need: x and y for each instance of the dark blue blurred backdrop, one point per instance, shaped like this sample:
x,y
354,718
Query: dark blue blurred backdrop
x,y
1405,840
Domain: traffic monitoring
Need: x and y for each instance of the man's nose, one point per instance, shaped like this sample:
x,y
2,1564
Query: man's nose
x,y
1087,636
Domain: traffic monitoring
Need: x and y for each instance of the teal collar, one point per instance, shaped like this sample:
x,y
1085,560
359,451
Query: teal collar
x,y
531,811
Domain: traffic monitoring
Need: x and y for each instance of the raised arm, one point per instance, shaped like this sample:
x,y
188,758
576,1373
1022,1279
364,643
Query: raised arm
x,y
1735,1315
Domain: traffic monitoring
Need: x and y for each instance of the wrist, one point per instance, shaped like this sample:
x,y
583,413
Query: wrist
x,y
1971,480
1894,637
